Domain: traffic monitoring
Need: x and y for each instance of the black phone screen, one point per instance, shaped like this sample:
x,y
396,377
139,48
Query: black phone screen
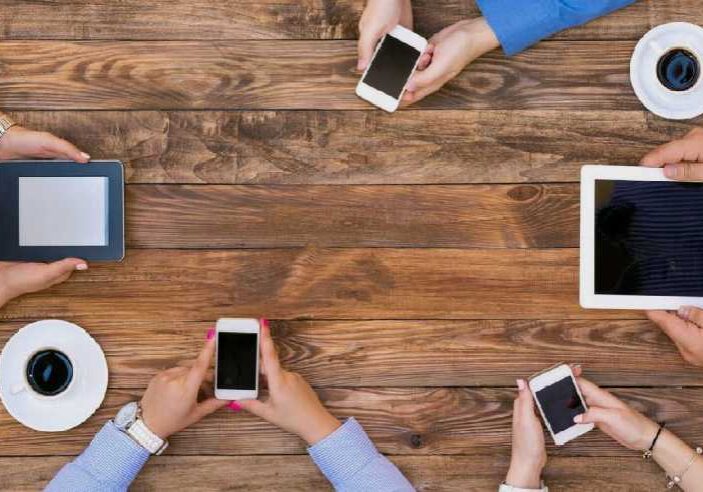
x,y
648,238
392,66
560,403
236,361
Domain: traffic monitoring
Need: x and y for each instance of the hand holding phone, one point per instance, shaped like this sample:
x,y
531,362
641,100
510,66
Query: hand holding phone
x,y
559,401
529,454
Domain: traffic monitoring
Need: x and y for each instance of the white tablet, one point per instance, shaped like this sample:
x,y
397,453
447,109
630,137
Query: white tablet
x,y
641,239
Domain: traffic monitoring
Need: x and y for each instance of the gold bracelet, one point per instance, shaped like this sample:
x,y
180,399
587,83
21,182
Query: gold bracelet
x,y
676,479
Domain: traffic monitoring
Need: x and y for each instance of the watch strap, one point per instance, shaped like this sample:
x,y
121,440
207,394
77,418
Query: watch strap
x,y
145,438
504,487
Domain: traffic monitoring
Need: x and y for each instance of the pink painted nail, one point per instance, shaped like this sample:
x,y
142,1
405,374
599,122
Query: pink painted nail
x,y
234,406
520,384
85,156
684,312
82,267
265,323
210,334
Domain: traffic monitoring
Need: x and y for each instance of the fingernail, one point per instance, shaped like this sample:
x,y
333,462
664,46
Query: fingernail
x,y
234,406
361,65
82,266
578,419
520,384
684,312
265,323
85,156
577,366
210,334
670,172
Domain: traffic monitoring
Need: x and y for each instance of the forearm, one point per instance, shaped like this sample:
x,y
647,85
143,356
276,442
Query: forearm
x,y
673,455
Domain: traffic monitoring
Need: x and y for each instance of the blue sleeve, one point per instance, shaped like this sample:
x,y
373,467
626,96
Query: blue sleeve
x,y
519,24
109,464
351,462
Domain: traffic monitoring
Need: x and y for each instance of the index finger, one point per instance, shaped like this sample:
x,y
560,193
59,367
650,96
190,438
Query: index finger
x,y
686,149
676,328
202,363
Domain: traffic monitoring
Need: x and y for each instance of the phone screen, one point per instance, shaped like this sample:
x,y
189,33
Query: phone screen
x,y
560,403
392,66
236,361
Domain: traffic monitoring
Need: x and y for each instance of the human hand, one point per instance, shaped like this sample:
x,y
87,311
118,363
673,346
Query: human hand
x,y
450,51
292,404
19,143
170,403
378,19
682,159
614,417
17,279
685,329
529,454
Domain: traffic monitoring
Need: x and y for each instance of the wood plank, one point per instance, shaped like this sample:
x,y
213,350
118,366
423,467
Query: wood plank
x,y
297,473
522,216
359,147
410,353
416,421
270,75
281,19
322,283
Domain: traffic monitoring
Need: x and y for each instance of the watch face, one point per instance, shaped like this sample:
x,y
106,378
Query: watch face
x,y
127,415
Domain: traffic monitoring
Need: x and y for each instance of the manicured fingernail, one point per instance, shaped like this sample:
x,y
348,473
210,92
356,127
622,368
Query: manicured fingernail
x,y
670,172
234,406
265,323
85,156
685,312
82,266
577,366
578,419
210,334
361,64
520,384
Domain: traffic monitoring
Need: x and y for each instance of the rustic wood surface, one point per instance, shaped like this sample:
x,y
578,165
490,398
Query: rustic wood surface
x,y
414,265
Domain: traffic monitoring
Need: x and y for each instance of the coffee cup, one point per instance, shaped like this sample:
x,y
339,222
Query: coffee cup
x,y
48,373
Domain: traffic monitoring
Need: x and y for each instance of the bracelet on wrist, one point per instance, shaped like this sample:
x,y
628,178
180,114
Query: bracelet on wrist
x,y
647,455
678,477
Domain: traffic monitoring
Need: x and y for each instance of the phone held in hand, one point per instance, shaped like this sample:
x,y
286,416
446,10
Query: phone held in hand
x,y
393,63
559,400
237,359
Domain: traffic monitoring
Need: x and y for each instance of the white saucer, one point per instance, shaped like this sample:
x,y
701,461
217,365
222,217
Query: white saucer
x,y
643,71
73,406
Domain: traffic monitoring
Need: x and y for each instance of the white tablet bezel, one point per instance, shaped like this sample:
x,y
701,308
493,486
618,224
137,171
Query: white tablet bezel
x,y
588,298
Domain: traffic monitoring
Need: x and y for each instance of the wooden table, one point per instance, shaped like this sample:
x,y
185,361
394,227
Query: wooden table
x,y
414,265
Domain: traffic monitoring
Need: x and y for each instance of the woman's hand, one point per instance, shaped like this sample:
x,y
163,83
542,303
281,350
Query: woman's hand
x,y
621,422
450,51
378,19
17,279
681,159
529,453
170,403
685,329
20,143
292,404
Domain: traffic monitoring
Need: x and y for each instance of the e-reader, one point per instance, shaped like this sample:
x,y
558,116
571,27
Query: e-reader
x,y
641,239
51,210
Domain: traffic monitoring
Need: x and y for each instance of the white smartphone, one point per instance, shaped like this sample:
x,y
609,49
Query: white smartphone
x,y
237,359
393,63
559,400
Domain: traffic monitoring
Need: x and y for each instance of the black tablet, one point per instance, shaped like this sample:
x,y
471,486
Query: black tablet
x,y
51,210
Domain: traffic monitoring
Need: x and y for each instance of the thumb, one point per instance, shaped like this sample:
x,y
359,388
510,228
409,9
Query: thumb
x,y
366,46
427,77
256,407
594,415
59,271
54,146
208,406
674,326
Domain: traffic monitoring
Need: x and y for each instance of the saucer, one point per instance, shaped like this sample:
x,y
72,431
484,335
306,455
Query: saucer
x,y
643,71
68,409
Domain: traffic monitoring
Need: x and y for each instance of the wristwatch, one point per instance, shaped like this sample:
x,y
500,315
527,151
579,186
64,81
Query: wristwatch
x,y
504,487
5,124
129,420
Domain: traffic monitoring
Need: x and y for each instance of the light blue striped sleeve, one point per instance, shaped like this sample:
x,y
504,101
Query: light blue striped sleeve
x,y
351,462
519,24
109,464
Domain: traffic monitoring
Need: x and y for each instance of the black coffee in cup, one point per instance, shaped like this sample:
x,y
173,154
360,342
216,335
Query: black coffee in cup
x,y
49,372
678,70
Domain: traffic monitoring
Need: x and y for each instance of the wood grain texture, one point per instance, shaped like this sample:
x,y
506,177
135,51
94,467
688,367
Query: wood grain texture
x,y
269,75
298,474
322,283
522,216
359,147
281,19
399,420
410,353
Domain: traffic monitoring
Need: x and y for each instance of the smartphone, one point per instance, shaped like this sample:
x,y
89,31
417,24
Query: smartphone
x,y
559,400
237,359
393,63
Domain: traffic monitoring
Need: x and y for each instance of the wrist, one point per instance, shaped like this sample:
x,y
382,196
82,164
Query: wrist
x,y
649,432
154,425
524,476
321,427
483,39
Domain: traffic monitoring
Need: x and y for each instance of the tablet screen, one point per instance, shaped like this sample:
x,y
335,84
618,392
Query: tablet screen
x,y
63,211
649,238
